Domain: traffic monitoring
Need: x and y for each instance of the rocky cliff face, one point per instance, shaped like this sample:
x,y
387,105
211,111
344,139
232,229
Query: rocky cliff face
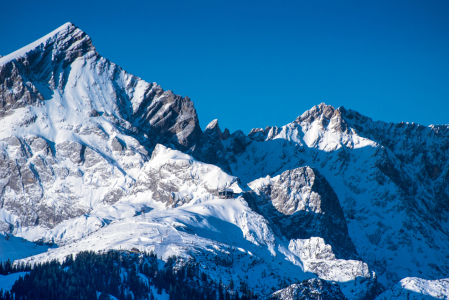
x,y
376,178
332,195
43,61
76,128
303,205
308,290
168,173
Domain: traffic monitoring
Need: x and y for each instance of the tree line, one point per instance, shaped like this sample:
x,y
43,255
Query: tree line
x,y
124,275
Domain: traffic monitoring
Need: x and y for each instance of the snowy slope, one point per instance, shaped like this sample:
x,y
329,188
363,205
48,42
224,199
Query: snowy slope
x,y
13,248
95,158
72,128
227,237
411,288
169,178
210,232
389,204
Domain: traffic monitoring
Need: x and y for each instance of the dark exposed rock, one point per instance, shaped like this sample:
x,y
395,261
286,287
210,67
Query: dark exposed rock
x,y
260,135
93,113
303,204
114,195
226,134
72,150
39,144
117,144
15,92
40,64
213,130
322,111
169,120
308,290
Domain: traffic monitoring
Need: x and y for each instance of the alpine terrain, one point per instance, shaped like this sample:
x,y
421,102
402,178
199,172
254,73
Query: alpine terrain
x,y
332,205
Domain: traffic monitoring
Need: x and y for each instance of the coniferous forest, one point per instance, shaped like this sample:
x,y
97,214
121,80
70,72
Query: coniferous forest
x,y
121,274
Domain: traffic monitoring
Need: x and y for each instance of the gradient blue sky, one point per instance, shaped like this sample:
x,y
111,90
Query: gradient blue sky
x,y
257,63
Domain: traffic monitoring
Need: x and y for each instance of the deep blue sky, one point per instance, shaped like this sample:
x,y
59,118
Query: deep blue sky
x,y
257,63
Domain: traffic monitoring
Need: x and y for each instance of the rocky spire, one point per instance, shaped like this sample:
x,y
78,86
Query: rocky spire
x,y
213,129
40,61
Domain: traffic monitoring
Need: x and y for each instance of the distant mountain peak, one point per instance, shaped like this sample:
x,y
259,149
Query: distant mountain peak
x,y
321,110
85,145
214,130
213,125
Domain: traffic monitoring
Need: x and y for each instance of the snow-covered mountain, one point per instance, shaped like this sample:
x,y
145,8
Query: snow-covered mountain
x,y
76,128
389,191
95,158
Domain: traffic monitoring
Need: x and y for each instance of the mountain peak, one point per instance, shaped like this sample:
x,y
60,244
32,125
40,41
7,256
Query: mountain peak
x,y
213,125
213,129
315,112
59,34
41,61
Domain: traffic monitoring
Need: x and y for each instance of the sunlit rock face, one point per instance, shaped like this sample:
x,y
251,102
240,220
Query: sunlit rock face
x,y
303,204
333,194
76,128
311,289
390,181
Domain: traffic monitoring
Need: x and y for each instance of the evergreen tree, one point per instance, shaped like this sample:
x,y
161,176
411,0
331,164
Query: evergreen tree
x,y
220,290
89,272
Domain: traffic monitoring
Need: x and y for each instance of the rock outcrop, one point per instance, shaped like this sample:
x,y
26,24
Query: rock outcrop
x,y
76,128
310,289
303,205
340,191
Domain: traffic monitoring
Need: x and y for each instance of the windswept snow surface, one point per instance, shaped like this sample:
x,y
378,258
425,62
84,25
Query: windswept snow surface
x,y
412,288
225,236
396,215
82,165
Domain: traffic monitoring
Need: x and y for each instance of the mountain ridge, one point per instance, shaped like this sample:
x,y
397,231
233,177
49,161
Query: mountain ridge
x,y
85,145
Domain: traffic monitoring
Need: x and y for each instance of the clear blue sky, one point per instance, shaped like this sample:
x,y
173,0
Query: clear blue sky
x,y
257,63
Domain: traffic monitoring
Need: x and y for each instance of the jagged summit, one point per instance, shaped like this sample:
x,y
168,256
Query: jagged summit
x,y
64,66
44,60
213,130
86,149
320,110
64,108
59,39
212,125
